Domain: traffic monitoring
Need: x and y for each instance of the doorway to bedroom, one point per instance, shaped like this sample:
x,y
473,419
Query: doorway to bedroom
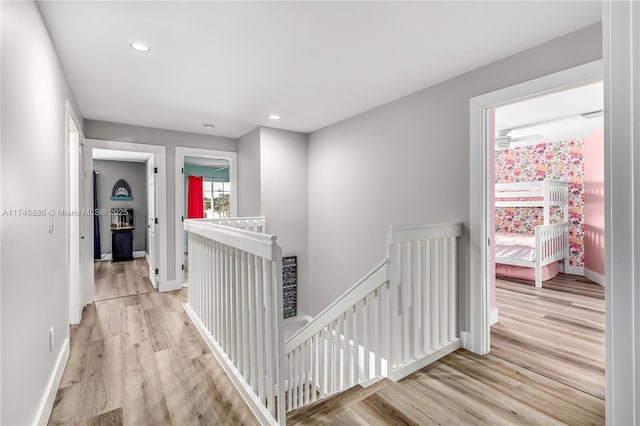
x,y
125,192
205,189
546,227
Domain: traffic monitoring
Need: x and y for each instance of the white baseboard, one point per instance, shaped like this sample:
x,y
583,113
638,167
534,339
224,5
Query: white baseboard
x,y
49,397
136,254
493,316
404,371
572,270
594,276
465,338
172,285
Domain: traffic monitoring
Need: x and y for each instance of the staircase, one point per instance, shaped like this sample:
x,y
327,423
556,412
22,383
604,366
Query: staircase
x,y
401,316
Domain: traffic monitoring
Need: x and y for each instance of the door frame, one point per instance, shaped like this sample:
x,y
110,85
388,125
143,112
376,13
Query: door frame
x,y
180,153
478,339
160,152
75,289
151,226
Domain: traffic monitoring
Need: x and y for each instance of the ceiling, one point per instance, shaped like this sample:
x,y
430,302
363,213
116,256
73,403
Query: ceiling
x,y
555,116
232,64
114,155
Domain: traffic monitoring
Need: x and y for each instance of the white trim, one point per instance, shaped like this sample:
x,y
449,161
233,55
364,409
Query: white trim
x,y
163,227
180,152
478,317
621,52
136,254
46,403
74,293
594,276
403,371
255,405
574,270
493,316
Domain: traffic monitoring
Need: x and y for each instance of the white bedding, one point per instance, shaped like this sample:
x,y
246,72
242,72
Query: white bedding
x,y
516,246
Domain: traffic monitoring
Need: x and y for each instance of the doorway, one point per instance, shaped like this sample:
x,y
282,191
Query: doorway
x,y
546,176
125,237
214,177
477,336
148,225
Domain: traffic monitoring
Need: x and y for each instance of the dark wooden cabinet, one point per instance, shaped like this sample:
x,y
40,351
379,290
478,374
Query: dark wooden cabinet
x,y
121,244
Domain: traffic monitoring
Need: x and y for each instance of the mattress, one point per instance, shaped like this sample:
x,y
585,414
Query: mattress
x,y
516,246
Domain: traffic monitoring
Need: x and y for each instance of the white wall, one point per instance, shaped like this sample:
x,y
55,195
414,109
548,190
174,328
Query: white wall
x,y
283,197
407,162
170,139
32,263
249,174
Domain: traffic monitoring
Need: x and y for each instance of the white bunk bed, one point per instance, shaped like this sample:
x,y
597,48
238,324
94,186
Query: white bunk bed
x,y
550,243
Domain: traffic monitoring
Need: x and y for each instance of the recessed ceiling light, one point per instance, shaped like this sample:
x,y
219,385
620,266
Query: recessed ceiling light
x,y
208,126
274,117
140,47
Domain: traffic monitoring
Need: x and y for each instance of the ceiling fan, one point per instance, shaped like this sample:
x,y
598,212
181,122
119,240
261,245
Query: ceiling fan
x,y
503,139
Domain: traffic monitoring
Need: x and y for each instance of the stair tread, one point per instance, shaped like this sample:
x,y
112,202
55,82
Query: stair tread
x,y
342,399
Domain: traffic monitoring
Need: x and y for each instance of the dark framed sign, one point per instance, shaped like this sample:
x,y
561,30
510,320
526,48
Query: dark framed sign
x,y
290,286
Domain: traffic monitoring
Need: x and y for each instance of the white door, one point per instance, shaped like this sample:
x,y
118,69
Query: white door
x,y
152,221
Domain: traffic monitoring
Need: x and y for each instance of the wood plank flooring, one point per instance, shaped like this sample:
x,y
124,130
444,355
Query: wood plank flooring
x,y
138,360
546,367
556,331
118,279
460,389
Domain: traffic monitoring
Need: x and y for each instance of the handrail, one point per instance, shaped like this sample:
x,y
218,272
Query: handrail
x,y
372,280
252,242
249,218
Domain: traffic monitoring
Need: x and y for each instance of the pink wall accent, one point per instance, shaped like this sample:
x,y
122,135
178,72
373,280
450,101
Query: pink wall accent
x,y
561,160
492,203
594,202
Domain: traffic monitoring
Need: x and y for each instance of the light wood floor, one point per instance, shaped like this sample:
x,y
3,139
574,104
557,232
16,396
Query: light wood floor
x,y
138,360
546,367
460,389
556,331
118,279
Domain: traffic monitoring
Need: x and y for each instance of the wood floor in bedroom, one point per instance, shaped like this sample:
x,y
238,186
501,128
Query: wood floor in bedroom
x,y
556,331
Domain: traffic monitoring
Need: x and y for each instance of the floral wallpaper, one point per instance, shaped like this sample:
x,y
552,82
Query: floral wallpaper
x,y
556,160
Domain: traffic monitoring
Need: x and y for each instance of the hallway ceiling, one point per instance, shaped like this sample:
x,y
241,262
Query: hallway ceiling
x,y
233,64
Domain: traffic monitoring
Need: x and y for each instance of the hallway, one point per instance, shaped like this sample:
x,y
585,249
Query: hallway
x,y
118,279
137,360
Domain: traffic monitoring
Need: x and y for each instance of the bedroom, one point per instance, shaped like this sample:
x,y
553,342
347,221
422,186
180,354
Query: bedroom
x,y
548,172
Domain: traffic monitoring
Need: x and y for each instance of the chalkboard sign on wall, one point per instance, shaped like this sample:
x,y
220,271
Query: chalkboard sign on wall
x,y
290,286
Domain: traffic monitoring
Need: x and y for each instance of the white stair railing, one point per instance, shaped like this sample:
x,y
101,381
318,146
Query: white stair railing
x,y
341,346
424,290
255,224
235,302
398,318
